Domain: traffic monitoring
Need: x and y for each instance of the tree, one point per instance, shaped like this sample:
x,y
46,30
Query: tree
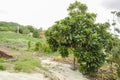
x,y
25,31
31,28
80,35
36,33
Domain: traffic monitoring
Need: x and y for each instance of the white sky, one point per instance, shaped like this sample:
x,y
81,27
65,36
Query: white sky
x,y
43,13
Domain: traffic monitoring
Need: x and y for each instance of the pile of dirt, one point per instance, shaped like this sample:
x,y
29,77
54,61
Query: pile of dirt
x,y
4,55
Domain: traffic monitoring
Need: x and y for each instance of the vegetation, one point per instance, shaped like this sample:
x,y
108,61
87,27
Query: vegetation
x,y
90,44
10,37
2,67
79,34
27,63
37,46
29,45
12,26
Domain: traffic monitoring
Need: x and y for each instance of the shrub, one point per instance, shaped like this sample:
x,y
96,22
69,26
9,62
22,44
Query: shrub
x,y
36,33
29,45
2,67
37,46
118,71
46,48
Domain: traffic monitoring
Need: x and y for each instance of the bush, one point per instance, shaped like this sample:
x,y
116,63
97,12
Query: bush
x,y
2,67
29,45
118,71
36,33
37,46
46,48
26,31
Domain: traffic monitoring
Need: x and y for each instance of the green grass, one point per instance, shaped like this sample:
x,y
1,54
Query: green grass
x,y
15,39
11,37
27,63
2,60
2,67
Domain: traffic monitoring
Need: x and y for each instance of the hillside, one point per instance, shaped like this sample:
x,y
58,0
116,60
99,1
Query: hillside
x,y
12,37
15,27
17,41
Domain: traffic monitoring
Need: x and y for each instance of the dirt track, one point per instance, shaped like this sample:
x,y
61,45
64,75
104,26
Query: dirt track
x,y
62,71
4,75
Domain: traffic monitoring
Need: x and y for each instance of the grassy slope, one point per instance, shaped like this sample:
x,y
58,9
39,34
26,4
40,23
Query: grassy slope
x,y
26,62
11,37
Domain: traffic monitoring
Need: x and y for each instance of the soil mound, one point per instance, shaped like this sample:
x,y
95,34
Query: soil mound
x,y
4,55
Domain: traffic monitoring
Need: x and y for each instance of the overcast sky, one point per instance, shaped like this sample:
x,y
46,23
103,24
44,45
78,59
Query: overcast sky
x,y
43,13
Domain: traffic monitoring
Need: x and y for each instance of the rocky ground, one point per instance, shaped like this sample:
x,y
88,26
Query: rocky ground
x,y
62,71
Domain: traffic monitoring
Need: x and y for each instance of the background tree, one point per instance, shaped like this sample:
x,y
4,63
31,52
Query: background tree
x,y
79,34
36,33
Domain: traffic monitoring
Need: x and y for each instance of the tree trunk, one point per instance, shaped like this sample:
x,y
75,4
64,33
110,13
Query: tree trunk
x,y
74,63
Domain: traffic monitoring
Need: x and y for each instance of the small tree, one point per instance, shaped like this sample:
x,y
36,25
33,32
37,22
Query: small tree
x,y
36,33
79,34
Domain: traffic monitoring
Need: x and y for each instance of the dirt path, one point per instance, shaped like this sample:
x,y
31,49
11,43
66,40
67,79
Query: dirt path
x,y
8,50
62,71
4,75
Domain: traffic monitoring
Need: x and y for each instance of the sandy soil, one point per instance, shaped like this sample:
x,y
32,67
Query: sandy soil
x,y
62,71
4,75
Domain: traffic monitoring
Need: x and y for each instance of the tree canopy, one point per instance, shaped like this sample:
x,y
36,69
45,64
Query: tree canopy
x,y
79,34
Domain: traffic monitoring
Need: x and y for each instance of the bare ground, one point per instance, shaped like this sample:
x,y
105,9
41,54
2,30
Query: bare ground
x,y
62,71
58,71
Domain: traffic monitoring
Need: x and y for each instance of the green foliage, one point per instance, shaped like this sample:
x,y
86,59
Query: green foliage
x,y
30,28
27,65
2,67
90,61
118,14
63,51
46,48
86,38
115,53
29,45
2,60
118,71
12,26
37,46
26,31
11,37
36,33
8,26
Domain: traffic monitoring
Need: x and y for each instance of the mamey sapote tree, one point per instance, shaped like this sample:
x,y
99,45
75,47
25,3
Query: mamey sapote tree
x,y
80,35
